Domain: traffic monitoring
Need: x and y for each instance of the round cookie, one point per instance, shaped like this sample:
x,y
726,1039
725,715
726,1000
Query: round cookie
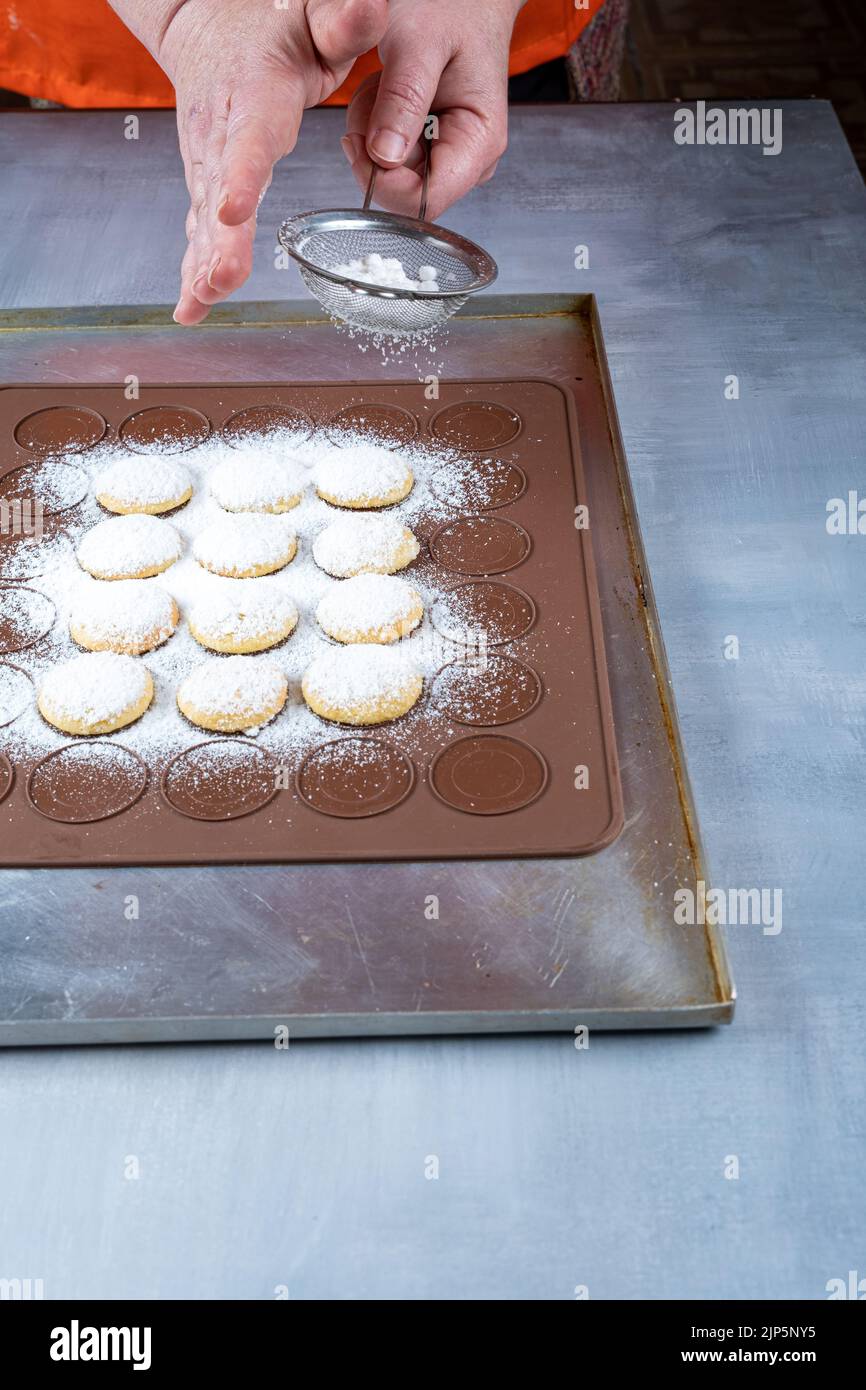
x,y
232,694
96,693
130,617
149,485
128,547
361,684
252,620
363,475
245,546
364,544
370,608
261,485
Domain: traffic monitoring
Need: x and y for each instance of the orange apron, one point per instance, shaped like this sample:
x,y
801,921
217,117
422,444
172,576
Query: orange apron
x,y
79,53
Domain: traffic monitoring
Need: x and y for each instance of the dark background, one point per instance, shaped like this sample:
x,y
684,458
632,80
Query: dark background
x,y
733,49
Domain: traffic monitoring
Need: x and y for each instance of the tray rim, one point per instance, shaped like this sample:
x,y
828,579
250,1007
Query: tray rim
x,y
150,319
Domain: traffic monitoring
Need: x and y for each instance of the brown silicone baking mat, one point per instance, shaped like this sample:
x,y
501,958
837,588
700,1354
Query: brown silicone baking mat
x,y
510,750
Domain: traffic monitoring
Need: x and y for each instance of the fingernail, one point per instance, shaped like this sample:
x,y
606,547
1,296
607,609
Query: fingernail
x,y
350,147
224,197
388,145
174,315
214,267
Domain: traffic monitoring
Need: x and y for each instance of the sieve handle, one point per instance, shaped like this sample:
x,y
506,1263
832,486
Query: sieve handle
x,y
422,208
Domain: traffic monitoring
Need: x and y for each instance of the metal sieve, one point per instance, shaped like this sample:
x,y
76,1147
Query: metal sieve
x,y
320,240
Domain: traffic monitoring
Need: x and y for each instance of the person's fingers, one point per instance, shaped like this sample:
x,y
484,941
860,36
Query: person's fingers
x,y
193,128
403,96
262,126
344,29
466,153
229,265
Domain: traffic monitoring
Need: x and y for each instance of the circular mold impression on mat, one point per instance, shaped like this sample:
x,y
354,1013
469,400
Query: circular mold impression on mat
x,y
488,774
264,419
171,428
483,610
355,777
53,486
476,425
61,429
482,485
16,692
391,424
25,557
221,780
87,781
25,616
488,691
480,545
7,776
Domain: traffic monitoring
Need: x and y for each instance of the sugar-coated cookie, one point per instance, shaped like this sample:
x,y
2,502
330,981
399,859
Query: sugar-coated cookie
x,y
131,617
251,618
364,544
363,475
246,545
361,684
261,485
231,694
129,547
149,484
370,608
96,693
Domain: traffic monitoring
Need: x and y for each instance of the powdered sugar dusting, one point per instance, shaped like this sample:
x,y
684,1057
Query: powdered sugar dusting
x,y
367,603
248,541
163,732
260,484
363,475
128,612
245,616
94,687
124,546
143,481
370,543
358,676
234,685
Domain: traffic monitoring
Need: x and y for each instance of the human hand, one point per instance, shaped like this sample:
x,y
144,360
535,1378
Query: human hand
x,y
244,71
449,57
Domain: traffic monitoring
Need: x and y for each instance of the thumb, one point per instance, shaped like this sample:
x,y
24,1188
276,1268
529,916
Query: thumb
x,y
406,91
344,29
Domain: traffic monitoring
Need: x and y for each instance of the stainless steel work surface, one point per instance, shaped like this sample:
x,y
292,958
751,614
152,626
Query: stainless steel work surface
x,y
477,945
306,1168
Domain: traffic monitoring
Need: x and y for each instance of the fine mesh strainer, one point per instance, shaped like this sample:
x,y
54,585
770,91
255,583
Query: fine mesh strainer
x,y
318,241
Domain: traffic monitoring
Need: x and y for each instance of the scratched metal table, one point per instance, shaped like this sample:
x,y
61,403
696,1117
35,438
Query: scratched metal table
x,y
310,1169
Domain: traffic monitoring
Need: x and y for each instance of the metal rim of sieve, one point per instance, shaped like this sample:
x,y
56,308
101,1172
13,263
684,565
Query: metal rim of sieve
x,y
295,233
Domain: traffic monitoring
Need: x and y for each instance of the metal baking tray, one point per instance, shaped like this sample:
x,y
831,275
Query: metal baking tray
x,y
341,949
